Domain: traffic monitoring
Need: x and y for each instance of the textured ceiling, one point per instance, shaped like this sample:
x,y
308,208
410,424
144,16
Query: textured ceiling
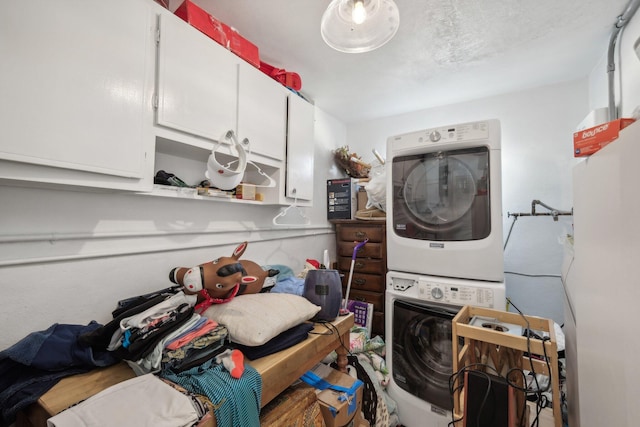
x,y
446,51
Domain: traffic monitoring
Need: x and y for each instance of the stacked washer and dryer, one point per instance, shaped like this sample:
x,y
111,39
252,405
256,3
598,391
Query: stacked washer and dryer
x,y
444,251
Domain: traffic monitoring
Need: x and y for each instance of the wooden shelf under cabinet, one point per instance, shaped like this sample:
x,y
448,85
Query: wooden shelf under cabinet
x,y
370,268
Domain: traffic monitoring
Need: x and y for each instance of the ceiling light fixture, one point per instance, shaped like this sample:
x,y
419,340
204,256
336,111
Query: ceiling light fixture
x,y
356,26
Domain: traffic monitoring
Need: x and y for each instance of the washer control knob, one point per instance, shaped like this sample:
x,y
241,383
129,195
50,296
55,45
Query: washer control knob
x,y
437,293
435,136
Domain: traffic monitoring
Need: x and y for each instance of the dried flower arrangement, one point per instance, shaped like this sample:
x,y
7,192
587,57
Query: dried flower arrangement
x,y
351,163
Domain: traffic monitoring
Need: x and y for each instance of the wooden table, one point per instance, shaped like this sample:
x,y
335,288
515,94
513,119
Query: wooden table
x,y
278,371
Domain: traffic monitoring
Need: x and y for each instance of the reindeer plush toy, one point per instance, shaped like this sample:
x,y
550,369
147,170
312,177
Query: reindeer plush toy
x,y
222,279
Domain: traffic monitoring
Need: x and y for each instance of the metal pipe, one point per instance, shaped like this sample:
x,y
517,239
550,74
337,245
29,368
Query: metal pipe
x,y
622,21
555,213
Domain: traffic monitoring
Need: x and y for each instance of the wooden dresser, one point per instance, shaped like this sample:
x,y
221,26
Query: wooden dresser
x,y
370,269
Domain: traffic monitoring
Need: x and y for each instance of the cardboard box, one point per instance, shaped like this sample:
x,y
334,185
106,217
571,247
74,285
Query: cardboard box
x,y
338,408
246,191
200,19
341,198
588,141
363,198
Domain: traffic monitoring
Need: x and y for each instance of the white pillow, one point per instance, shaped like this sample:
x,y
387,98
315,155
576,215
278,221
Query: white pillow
x,y
254,319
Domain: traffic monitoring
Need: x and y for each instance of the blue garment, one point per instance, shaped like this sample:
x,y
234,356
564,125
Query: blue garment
x,y
289,285
29,368
236,401
283,271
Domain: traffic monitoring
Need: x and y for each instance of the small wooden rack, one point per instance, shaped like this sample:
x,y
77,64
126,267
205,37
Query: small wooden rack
x,y
508,353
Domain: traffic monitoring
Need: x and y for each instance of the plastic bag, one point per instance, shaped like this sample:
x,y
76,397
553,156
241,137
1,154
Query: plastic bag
x,y
377,188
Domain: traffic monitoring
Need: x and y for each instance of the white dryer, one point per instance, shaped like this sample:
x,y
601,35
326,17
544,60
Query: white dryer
x,y
444,202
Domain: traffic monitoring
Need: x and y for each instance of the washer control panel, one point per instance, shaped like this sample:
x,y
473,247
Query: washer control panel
x,y
455,294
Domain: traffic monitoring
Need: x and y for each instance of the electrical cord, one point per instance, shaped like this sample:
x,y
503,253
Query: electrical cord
x,y
538,392
541,400
555,276
456,377
515,218
331,329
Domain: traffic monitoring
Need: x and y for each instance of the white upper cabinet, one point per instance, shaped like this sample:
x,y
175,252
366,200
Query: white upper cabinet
x,y
204,90
104,94
262,112
300,149
74,100
197,81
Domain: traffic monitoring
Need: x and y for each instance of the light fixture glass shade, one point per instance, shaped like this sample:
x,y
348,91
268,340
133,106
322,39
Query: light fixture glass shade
x,y
341,33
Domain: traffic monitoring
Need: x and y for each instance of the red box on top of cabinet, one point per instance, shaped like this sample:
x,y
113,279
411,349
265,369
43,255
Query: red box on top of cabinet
x,y
200,19
588,141
219,31
242,47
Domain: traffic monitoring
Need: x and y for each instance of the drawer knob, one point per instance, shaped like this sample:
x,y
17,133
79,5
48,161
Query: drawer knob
x,y
359,281
361,234
359,264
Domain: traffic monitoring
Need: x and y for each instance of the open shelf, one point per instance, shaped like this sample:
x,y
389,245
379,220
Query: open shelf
x,y
189,163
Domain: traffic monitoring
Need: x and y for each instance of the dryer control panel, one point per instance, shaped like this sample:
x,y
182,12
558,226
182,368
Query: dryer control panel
x,y
455,294
466,132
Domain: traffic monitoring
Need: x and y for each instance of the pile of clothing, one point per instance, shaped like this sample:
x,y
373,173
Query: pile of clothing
x,y
29,368
158,331
161,337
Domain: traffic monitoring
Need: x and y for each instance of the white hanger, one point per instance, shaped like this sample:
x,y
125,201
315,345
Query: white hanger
x,y
292,212
247,146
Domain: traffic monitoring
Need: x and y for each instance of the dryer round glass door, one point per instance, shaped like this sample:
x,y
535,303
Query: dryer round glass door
x,y
422,353
442,196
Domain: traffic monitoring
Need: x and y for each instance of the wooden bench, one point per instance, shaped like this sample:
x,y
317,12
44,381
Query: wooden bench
x,y
278,371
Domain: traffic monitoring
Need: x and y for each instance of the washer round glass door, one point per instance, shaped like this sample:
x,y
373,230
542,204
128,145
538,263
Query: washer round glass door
x,y
422,353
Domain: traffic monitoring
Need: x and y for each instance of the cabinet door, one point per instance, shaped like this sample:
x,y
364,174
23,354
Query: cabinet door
x,y
197,81
262,112
73,89
300,149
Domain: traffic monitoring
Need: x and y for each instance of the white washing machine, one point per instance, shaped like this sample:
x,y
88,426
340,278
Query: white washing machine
x,y
419,351
444,202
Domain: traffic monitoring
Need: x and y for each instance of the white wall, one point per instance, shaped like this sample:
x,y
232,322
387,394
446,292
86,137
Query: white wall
x,y
537,158
627,70
69,256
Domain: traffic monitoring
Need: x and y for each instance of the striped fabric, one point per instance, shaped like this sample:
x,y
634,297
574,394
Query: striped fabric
x,y
236,401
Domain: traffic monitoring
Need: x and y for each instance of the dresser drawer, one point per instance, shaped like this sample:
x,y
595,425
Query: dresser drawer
x,y
364,282
359,233
363,265
370,250
375,298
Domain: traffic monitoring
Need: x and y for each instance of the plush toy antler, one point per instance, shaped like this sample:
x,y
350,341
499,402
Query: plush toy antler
x,y
222,279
